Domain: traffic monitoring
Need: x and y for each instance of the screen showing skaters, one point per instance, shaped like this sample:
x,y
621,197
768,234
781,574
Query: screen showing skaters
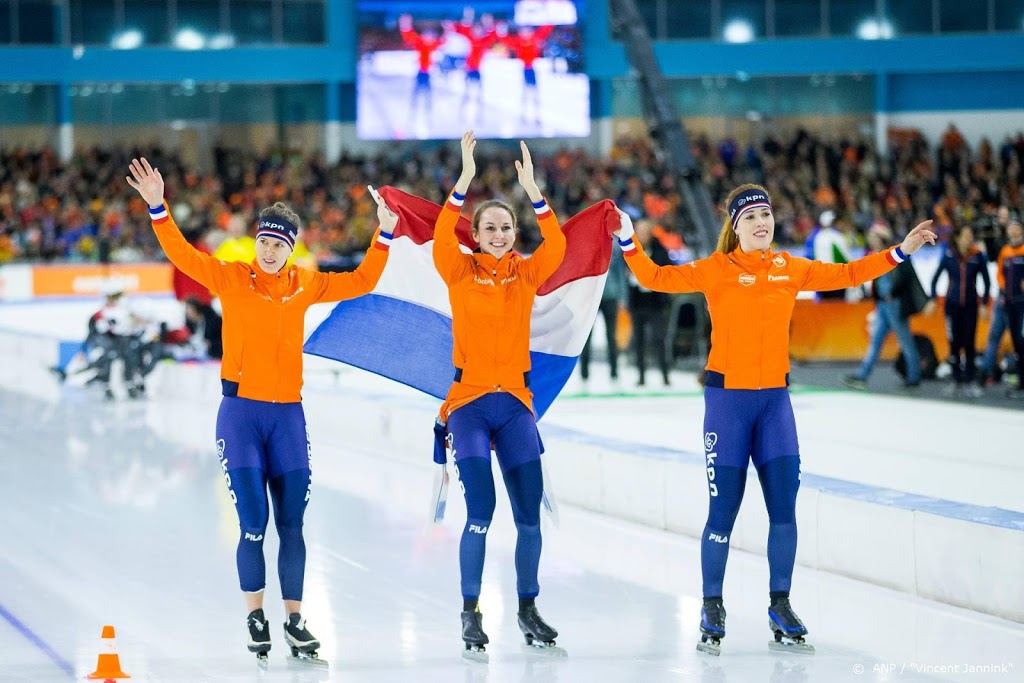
x,y
429,70
262,440
490,404
751,291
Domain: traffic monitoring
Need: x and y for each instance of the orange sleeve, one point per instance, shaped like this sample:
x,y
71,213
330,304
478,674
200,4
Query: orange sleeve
x,y
1000,280
450,261
201,267
342,286
691,277
548,256
824,277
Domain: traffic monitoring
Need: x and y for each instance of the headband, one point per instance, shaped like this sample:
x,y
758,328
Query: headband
x,y
275,226
745,201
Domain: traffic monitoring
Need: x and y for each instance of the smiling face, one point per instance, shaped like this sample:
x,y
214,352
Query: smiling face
x,y
756,229
495,231
271,253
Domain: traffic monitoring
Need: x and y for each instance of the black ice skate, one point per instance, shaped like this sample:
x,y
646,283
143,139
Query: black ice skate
x,y
259,635
474,637
712,626
788,629
303,644
539,636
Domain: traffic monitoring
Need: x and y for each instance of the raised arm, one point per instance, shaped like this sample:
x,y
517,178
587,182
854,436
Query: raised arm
x,y
549,254
200,267
409,35
341,286
692,277
823,277
449,260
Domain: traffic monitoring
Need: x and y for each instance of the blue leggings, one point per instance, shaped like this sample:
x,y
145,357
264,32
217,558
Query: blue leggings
x,y
264,446
780,480
502,420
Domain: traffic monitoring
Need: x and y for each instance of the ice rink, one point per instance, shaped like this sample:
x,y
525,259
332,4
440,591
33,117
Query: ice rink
x,y
117,513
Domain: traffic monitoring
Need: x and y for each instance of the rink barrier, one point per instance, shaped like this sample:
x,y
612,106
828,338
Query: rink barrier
x,y
960,554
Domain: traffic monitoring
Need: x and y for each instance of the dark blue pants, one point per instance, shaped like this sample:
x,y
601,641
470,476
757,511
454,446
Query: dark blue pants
x,y
265,445
502,420
739,426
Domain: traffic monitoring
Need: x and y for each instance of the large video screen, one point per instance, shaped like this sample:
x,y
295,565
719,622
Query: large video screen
x,y
431,69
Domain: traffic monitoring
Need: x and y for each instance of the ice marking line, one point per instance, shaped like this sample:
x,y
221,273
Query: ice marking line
x,y
30,635
341,558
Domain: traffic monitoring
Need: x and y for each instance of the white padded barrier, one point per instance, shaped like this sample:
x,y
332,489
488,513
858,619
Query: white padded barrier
x,y
883,537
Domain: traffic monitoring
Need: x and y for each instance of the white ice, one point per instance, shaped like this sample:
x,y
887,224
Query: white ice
x,y
117,513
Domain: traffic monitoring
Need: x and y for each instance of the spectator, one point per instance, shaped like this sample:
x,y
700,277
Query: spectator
x,y
894,304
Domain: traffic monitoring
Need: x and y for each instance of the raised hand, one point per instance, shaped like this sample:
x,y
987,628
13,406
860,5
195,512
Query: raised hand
x,y
388,218
468,162
625,230
147,180
468,148
525,170
916,238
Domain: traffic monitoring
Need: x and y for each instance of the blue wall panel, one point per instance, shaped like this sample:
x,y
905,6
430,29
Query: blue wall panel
x,y
950,91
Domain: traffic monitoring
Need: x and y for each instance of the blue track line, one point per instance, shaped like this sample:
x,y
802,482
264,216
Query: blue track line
x,y
65,666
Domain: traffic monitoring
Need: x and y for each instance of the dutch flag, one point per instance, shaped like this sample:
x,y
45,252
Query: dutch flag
x,y
402,330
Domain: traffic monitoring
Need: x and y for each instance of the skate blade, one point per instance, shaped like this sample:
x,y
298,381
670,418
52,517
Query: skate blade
x,y
544,649
476,654
308,660
710,648
791,647
262,661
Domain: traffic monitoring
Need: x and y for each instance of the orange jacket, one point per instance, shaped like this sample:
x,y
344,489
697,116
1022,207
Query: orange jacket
x,y
491,303
751,297
264,314
1008,262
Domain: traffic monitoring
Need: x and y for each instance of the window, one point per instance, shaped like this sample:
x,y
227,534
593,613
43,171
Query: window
x,y
136,104
202,16
247,104
1009,15
847,16
88,107
690,19
24,104
649,13
797,18
149,17
963,16
910,17
252,22
750,11
304,22
188,102
92,22
5,22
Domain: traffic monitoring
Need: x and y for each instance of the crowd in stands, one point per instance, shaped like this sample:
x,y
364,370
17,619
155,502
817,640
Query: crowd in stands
x,y
84,210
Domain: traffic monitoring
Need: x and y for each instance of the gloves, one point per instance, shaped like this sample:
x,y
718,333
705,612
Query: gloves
x,y
625,230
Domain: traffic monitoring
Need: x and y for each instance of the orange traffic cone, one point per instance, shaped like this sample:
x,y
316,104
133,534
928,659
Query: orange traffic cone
x,y
108,665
